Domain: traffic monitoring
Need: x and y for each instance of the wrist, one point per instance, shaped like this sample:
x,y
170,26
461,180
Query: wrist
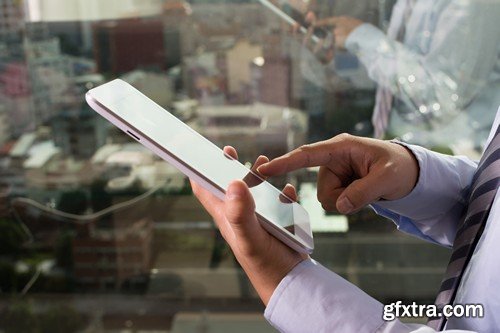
x,y
265,274
409,170
413,165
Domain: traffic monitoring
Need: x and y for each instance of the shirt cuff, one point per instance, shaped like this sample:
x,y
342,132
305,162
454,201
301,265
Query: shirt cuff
x,y
312,298
282,286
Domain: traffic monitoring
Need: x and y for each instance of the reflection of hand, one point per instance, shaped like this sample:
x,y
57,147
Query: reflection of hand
x,y
265,259
323,48
354,171
310,19
342,27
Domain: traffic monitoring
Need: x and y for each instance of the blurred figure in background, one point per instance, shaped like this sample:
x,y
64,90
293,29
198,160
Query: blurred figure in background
x,y
437,69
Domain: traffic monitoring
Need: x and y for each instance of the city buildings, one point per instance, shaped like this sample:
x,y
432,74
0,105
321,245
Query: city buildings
x,y
78,131
17,102
4,126
157,86
238,63
272,81
253,129
141,40
11,17
106,259
35,76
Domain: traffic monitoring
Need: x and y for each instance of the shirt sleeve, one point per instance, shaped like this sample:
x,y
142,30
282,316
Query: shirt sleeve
x,y
434,207
462,53
312,298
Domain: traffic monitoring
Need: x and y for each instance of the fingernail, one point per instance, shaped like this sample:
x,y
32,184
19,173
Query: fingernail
x,y
344,205
234,192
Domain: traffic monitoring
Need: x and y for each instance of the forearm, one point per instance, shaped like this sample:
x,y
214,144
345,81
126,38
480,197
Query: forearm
x,y
265,274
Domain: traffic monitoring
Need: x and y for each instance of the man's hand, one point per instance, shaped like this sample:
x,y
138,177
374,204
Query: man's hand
x,y
354,171
265,259
342,27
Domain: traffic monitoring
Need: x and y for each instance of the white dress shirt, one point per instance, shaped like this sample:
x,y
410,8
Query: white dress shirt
x,y
444,76
313,299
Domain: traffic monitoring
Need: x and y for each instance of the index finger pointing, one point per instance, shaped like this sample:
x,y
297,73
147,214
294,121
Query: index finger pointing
x,y
303,157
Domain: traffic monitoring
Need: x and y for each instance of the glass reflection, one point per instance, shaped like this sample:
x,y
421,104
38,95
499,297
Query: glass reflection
x,y
97,234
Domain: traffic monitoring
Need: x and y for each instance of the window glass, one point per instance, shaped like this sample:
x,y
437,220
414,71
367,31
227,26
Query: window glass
x,y
99,234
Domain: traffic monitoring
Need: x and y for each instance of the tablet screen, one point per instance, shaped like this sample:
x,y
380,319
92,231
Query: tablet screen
x,y
193,150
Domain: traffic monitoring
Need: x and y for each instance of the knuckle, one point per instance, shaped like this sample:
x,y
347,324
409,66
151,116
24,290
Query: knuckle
x,y
390,169
393,172
234,217
304,148
304,154
344,137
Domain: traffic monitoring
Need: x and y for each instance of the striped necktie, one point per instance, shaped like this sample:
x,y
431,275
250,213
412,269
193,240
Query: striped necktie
x,y
384,97
485,184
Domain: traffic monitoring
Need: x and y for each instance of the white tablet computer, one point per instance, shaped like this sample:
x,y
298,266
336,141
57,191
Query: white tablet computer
x,y
199,159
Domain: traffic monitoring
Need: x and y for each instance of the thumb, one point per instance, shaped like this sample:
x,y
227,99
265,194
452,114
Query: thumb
x,y
360,193
240,212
